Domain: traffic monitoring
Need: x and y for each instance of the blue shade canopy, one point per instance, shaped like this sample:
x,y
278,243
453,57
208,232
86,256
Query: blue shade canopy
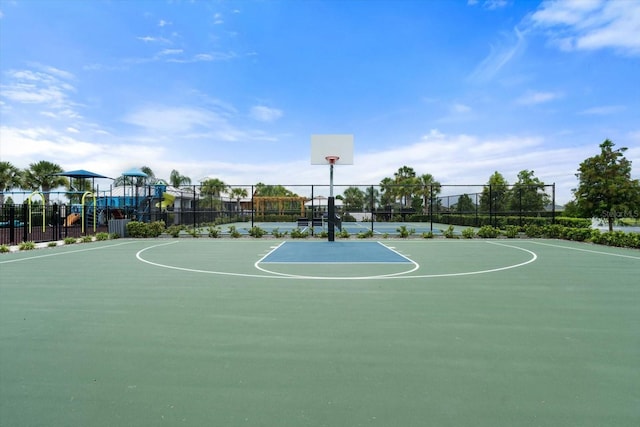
x,y
81,173
134,172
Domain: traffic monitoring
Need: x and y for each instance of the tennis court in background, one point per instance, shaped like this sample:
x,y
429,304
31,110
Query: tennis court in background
x,y
352,228
272,332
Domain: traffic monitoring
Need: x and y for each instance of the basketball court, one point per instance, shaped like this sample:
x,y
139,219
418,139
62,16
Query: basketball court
x,y
267,332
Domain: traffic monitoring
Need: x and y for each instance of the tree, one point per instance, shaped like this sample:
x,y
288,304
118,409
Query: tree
x,y
264,190
605,188
41,176
354,199
10,177
465,204
150,179
495,195
388,196
238,193
213,188
527,195
176,180
429,188
407,184
372,198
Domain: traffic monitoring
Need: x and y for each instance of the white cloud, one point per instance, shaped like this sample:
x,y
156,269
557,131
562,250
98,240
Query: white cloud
x,y
170,52
460,108
499,56
533,98
217,19
591,24
495,4
49,88
151,39
603,110
162,119
265,114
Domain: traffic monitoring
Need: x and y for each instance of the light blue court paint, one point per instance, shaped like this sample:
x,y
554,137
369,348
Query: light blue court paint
x,y
334,253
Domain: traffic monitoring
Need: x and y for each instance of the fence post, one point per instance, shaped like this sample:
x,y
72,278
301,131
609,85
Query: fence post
x,y
491,219
25,226
431,207
553,203
12,223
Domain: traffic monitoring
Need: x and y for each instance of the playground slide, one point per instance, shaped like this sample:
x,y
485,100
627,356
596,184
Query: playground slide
x,y
71,219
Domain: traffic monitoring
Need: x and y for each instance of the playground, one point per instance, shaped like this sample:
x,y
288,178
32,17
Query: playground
x,y
138,332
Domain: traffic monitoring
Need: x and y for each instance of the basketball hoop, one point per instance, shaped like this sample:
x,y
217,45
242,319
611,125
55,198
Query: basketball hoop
x,y
332,159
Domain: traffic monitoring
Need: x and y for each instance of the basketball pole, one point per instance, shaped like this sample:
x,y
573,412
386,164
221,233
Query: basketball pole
x,y
331,205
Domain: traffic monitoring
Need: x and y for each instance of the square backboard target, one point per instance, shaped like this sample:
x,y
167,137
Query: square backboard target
x,y
332,145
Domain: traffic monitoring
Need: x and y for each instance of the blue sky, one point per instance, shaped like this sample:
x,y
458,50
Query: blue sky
x,y
235,89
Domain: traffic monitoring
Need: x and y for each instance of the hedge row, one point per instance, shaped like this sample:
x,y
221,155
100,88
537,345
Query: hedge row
x,y
145,229
556,231
502,221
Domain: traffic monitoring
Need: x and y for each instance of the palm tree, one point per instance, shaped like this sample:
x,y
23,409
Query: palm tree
x,y
354,199
388,191
429,188
372,198
42,176
151,177
176,180
213,187
239,193
265,190
406,180
10,177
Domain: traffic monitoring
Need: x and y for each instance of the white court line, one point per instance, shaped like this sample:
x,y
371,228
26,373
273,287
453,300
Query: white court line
x,y
65,253
584,250
399,275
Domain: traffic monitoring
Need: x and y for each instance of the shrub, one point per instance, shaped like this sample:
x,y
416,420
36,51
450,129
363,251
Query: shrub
x,y
468,233
114,236
174,230
143,229
70,240
533,231
233,232
343,234
52,244
553,231
323,234
296,233
136,229
256,231
214,232
26,246
511,231
277,233
404,231
102,236
365,234
448,233
4,249
488,232
427,235
86,239
156,228
577,234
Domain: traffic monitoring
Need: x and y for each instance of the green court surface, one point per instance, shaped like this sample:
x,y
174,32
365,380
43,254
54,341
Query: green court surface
x,y
266,332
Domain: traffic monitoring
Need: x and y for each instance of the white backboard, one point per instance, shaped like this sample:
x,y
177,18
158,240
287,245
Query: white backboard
x,y
323,145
